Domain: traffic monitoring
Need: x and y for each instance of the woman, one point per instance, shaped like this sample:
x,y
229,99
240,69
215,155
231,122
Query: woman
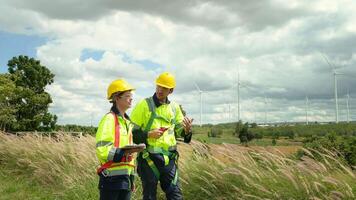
x,y
115,132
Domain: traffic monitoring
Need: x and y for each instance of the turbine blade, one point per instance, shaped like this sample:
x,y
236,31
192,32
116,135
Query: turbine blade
x,y
327,60
197,87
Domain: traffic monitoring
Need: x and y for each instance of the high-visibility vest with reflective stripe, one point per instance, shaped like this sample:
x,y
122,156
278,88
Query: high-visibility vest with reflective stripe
x,y
167,115
114,132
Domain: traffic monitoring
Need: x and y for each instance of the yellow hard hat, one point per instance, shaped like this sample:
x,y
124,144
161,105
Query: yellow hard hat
x,y
119,85
166,80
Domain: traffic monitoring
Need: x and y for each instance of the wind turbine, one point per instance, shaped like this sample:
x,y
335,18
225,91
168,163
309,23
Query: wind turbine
x,y
266,101
228,111
91,119
201,101
238,95
348,108
239,85
265,111
335,73
306,109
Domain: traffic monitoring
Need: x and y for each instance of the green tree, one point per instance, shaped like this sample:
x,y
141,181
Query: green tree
x,y
245,135
30,79
29,73
7,110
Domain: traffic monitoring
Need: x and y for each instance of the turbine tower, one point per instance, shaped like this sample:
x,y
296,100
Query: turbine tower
x,y
335,88
238,95
201,102
335,96
348,108
306,109
239,85
265,111
229,118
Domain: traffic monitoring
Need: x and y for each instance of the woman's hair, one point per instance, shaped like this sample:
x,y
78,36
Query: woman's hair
x,y
114,95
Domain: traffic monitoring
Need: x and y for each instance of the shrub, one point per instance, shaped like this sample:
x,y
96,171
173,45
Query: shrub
x,y
215,132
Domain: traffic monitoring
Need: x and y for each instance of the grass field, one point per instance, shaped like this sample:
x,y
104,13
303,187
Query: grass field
x,y
65,169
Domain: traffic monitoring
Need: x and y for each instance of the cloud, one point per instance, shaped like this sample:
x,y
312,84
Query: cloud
x,y
226,14
276,45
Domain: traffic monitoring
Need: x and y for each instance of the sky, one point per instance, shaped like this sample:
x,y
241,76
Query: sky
x,y
279,49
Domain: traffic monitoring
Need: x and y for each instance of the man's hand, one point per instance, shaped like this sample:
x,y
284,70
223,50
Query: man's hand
x,y
155,133
187,124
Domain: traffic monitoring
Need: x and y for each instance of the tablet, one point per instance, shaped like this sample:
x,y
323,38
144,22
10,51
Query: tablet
x,y
134,146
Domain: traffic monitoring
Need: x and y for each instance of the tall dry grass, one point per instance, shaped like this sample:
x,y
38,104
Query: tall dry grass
x,y
206,171
235,172
59,161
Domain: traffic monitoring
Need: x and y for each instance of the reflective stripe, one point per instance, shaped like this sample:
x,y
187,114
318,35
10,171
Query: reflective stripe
x,y
117,131
152,149
103,143
111,153
130,132
107,172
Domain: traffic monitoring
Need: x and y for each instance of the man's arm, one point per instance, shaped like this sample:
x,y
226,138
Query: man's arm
x,y
137,117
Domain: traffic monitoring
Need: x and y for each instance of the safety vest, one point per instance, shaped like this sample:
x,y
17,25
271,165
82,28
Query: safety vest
x,y
149,117
168,116
113,132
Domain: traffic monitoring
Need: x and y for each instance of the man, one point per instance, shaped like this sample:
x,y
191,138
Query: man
x,y
160,122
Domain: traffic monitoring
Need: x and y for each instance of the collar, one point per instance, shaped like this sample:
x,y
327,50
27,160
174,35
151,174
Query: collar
x,y
156,101
116,111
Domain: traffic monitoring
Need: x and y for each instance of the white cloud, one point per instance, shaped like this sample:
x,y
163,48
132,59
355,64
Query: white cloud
x,y
275,44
